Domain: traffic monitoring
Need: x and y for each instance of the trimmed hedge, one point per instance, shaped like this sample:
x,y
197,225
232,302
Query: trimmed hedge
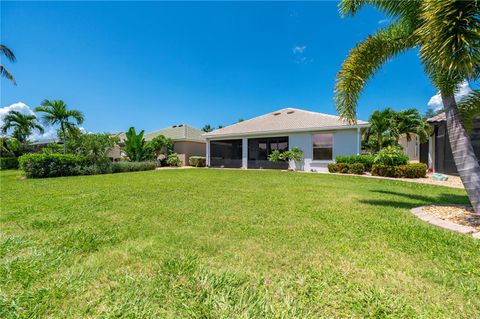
x,y
197,161
51,165
338,168
8,162
392,156
411,170
120,167
366,160
356,168
55,165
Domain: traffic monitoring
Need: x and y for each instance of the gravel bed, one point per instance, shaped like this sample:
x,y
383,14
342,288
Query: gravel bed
x,y
462,215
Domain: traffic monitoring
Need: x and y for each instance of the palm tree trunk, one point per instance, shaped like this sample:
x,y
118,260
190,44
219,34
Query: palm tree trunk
x,y
64,137
463,153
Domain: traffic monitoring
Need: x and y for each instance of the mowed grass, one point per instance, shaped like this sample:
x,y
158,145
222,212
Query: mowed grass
x,y
203,243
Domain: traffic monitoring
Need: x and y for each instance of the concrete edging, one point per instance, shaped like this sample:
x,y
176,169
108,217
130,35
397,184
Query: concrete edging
x,y
433,220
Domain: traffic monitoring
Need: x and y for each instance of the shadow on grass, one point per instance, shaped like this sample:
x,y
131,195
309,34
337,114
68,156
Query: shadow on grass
x,y
414,200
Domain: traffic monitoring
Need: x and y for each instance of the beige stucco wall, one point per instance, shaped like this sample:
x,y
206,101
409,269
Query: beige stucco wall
x,y
115,153
185,149
411,148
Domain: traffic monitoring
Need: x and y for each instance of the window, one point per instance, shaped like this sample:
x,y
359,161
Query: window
x,y
323,147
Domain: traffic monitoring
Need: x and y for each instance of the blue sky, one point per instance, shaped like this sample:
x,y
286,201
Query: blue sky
x,y
153,64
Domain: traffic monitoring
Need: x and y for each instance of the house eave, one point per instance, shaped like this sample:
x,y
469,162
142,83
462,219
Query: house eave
x,y
302,130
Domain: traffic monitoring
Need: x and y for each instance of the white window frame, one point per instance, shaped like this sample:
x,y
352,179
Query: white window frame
x,y
333,148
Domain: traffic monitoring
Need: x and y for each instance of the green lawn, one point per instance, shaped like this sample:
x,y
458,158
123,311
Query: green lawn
x,y
222,243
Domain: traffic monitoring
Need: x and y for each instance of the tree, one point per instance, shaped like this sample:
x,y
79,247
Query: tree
x,y
10,146
159,145
378,135
56,112
446,33
23,126
207,128
95,147
408,122
11,57
135,145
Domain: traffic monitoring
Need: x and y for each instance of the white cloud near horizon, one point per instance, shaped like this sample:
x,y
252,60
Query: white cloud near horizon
x,y
435,101
21,107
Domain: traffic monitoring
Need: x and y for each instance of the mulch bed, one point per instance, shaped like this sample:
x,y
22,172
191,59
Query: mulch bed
x,y
462,215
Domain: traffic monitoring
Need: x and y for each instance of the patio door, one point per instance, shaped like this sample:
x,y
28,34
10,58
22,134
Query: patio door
x,y
260,148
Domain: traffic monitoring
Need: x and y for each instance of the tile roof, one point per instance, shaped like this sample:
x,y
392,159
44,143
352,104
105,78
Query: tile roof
x,y
437,118
178,133
288,119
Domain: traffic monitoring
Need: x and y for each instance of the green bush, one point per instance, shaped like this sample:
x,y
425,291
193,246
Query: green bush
x,y
366,160
338,168
392,156
8,162
415,170
356,168
174,160
120,167
411,170
197,161
51,165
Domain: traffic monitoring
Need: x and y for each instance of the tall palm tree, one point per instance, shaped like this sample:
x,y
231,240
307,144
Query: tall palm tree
x,y
11,57
408,122
447,35
380,125
56,112
23,125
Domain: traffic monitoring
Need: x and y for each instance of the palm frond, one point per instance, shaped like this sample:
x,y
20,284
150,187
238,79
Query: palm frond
x,y
469,109
450,37
77,115
364,61
4,72
405,9
8,53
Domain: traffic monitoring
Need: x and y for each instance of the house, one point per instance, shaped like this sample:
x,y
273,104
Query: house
x,y
437,153
187,141
247,144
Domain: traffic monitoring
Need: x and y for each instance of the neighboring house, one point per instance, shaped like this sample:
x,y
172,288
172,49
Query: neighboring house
x,y
437,153
187,141
412,147
248,144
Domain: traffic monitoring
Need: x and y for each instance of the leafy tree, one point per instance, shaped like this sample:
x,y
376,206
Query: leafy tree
x,y
447,35
159,145
94,147
10,146
56,112
378,134
207,128
135,145
11,57
410,122
23,125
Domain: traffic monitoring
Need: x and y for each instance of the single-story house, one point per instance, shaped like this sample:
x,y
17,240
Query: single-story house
x,y
437,152
187,141
248,144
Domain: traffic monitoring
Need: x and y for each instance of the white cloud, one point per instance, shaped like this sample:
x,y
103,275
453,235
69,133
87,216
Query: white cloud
x,y
435,101
21,107
299,49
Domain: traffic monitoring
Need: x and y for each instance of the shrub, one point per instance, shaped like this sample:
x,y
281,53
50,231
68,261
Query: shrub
x,y
392,156
51,165
8,162
411,170
356,168
415,170
338,168
173,160
197,161
366,160
120,167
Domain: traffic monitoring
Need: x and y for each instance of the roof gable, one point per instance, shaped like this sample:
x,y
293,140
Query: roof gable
x,y
178,133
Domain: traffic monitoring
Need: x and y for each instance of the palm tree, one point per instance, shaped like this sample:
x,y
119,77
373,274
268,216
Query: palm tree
x,y
446,33
410,122
56,112
23,125
11,57
135,145
379,130
207,128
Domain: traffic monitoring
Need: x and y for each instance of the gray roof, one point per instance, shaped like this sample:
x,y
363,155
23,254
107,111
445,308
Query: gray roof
x,y
285,120
437,118
178,133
